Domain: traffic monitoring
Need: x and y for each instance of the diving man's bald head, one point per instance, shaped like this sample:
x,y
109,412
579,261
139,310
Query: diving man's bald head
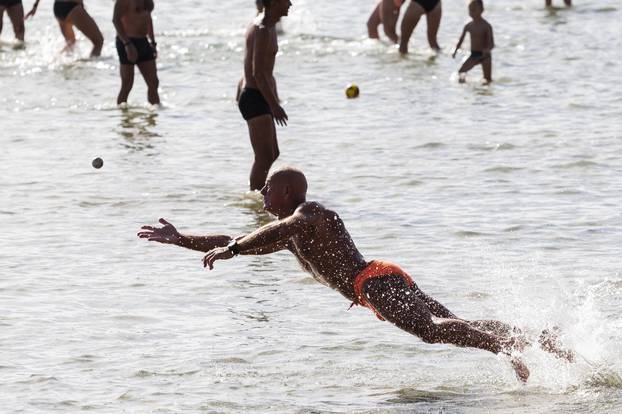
x,y
285,189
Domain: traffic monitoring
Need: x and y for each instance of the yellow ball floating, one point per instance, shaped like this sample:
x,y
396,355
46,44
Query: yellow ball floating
x,y
352,91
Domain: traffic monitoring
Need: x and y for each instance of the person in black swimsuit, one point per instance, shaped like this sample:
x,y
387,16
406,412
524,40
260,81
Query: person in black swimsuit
x,y
416,9
72,13
257,95
136,46
15,11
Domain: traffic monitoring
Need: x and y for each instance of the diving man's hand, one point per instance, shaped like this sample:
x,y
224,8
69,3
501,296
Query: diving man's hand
x,y
167,234
219,253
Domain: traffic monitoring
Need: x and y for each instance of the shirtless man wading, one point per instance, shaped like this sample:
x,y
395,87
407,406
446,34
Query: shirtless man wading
x,y
322,245
257,95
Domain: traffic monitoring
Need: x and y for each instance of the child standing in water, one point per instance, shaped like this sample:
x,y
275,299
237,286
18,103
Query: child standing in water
x,y
132,19
482,42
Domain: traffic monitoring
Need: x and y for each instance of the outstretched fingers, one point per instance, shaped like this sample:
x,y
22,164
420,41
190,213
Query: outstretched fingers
x,y
208,260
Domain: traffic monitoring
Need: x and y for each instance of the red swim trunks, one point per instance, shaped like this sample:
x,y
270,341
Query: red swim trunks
x,y
376,268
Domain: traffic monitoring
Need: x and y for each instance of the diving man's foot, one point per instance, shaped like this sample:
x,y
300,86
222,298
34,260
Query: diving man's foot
x,y
549,341
521,370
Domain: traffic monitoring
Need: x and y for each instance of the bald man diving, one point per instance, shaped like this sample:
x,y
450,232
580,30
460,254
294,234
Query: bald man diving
x,y
319,240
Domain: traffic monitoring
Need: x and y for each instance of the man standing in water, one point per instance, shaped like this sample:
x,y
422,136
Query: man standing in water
x,y
323,247
132,19
257,95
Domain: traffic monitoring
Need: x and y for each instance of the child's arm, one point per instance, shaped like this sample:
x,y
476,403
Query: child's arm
x,y
453,55
32,12
490,41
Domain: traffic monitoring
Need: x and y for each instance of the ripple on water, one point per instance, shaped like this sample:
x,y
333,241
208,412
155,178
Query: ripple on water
x,y
583,164
501,146
38,379
605,9
431,145
513,229
143,373
470,233
413,395
231,360
503,169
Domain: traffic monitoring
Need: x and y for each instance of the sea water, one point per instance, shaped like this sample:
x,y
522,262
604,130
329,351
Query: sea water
x,y
501,201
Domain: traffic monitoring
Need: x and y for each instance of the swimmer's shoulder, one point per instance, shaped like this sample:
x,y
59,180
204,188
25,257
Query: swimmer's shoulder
x,y
257,30
312,211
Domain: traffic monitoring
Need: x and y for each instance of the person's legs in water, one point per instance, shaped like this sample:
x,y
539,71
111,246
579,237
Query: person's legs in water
x,y
487,68
127,81
468,64
16,14
265,147
66,28
150,73
433,18
85,23
395,301
389,13
373,22
409,22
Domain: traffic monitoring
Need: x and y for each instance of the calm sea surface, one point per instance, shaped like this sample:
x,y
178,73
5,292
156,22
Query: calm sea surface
x,y
502,201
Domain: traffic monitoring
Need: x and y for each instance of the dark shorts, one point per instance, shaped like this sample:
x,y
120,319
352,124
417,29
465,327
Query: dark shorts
x,y
428,5
378,269
478,56
9,3
63,8
252,104
145,51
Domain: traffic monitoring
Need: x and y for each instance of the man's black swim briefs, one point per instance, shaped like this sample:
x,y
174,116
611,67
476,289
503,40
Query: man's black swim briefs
x,y
9,3
63,8
252,104
428,5
145,51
